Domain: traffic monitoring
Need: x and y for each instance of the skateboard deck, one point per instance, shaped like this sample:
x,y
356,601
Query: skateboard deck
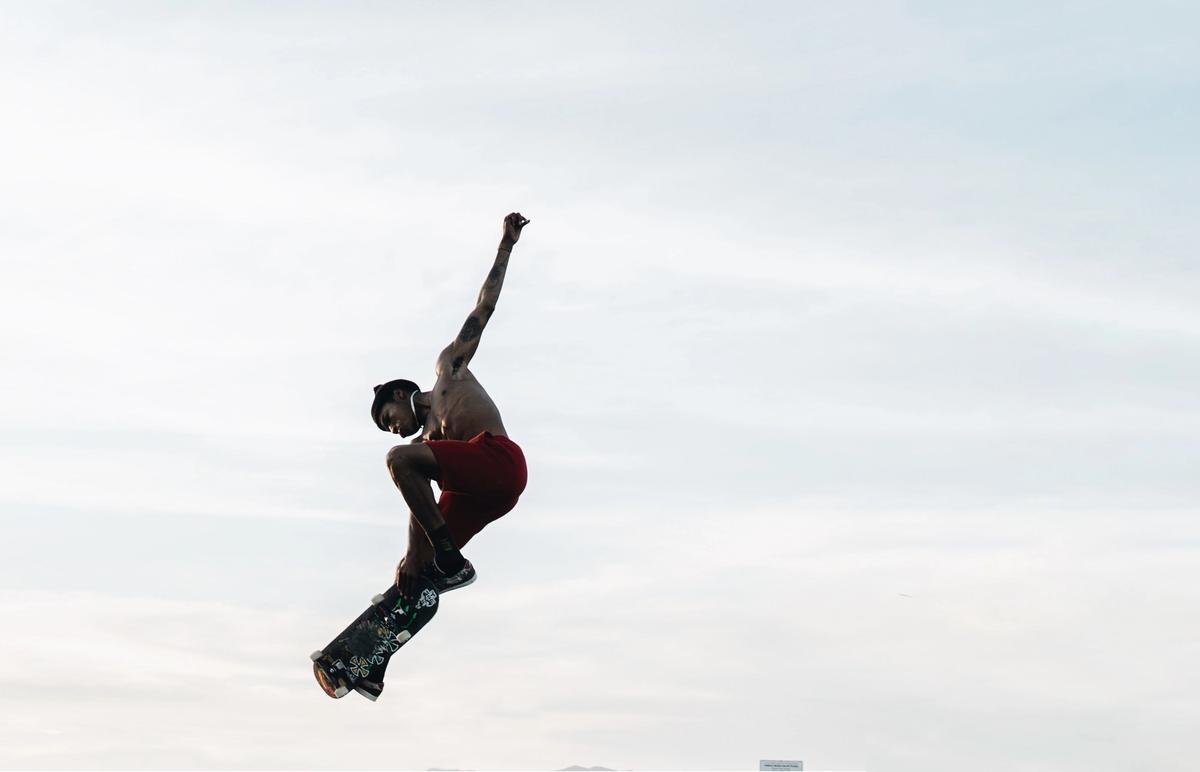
x,y
357,658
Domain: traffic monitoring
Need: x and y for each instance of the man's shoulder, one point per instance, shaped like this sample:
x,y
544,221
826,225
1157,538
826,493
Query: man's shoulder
x,y
450,366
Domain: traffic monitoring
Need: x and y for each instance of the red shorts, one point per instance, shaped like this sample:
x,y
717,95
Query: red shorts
x,y
481,480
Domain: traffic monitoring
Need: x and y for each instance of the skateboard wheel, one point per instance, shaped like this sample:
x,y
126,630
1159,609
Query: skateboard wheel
x,y
403,636
340,692
377,599
316,655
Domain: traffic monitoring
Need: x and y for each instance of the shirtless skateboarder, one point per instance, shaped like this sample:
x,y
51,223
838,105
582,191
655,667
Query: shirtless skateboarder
x,y
463,447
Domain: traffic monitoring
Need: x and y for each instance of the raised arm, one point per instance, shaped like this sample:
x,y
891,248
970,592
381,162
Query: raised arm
x,y
458,354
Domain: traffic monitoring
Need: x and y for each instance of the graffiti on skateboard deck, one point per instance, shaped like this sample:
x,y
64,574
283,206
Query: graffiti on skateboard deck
x,y
357,658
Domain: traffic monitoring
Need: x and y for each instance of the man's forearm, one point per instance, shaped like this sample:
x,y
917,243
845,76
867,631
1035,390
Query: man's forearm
x,y
490,292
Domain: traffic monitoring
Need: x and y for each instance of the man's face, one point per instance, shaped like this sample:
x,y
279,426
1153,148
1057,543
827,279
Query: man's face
x,y
398,418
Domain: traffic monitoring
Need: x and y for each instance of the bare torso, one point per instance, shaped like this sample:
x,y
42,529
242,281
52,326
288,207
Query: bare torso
x,y
460,408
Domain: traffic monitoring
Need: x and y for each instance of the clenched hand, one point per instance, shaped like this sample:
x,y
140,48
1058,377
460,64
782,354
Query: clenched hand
x,y
513,224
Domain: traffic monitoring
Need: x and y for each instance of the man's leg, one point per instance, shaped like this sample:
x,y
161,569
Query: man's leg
x,y
412,468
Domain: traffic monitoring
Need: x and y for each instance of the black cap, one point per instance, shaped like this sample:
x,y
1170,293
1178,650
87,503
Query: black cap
x,y
385,393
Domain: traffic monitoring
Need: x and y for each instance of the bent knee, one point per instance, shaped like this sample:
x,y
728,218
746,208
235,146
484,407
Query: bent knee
x,y
398,462
411,461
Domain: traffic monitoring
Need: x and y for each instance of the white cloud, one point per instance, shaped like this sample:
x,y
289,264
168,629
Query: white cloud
x,y
715,641
853,356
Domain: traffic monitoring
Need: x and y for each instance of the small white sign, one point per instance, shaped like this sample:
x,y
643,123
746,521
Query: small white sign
x,y
774,764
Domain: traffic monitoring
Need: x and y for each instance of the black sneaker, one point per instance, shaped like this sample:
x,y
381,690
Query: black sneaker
x,y
462,578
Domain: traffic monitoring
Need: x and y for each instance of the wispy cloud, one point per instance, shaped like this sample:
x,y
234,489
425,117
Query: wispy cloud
x,y
853,356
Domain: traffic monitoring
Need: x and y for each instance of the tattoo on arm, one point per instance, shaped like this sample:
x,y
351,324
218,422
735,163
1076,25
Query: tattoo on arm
x,y
495,280
468,336
470,329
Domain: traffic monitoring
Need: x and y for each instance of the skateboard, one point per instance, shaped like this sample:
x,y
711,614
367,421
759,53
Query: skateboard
x,y
357,658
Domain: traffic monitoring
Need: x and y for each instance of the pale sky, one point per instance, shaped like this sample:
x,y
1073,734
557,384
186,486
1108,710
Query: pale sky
x,y
853,348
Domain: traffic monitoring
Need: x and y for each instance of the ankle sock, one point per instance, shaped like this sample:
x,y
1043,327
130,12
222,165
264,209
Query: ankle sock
x,y
448,559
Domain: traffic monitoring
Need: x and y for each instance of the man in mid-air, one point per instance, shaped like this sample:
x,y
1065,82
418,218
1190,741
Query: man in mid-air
x,y
463,446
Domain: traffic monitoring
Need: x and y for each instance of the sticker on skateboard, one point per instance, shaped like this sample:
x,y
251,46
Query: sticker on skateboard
x,y
357,658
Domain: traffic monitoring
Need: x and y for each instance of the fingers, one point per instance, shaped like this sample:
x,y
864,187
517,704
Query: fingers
x,y
407,581
402,580
513,223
